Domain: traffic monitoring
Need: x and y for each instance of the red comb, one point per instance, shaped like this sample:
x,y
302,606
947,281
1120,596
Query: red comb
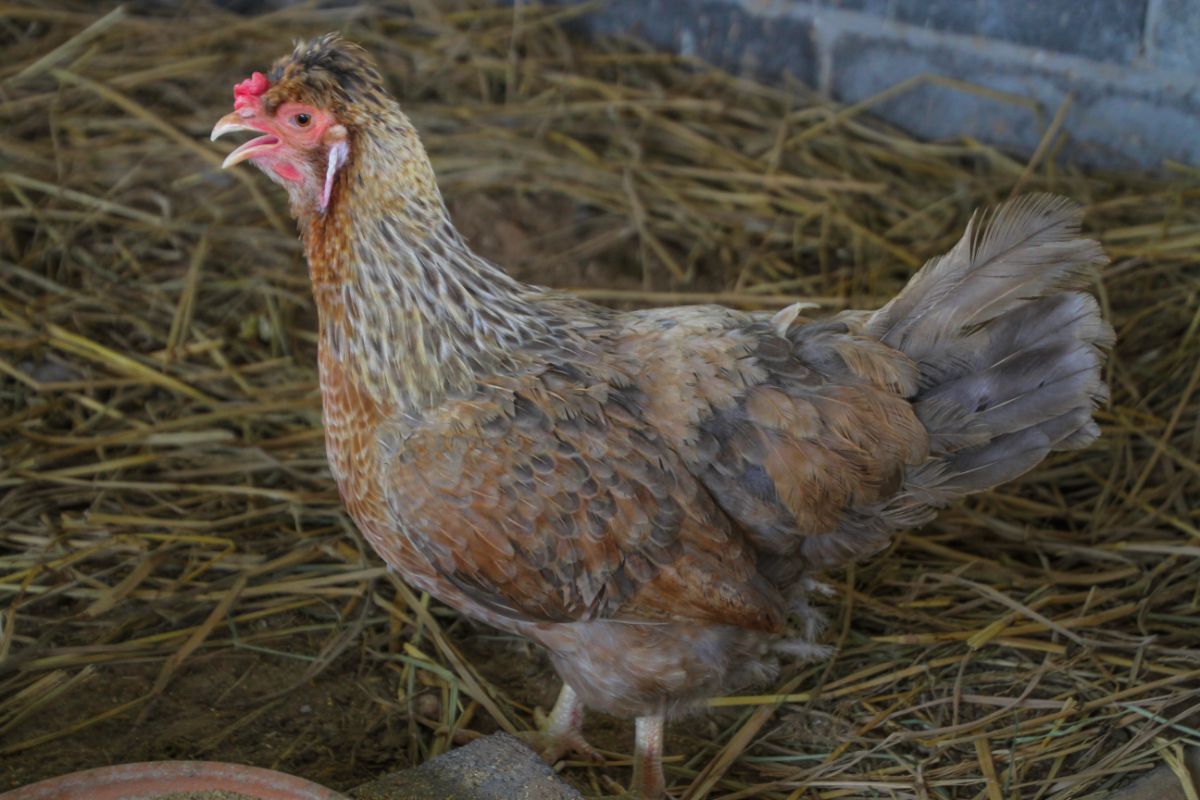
x,y
246,92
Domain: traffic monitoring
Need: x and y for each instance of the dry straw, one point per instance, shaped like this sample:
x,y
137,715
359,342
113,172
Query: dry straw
x,y
163,491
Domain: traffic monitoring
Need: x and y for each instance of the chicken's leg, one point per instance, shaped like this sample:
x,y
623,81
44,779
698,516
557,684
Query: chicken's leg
x,y
648,780
561,732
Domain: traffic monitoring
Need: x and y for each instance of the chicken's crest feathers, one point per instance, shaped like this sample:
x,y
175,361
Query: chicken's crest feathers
x,y
330,72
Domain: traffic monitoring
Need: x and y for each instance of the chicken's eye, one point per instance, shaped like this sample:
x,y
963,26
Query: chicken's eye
x,y
302,120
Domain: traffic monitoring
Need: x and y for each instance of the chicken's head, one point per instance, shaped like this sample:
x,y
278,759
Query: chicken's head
x,y
306,109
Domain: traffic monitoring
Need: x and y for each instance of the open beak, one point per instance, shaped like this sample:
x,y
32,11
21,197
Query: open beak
x,y
234,121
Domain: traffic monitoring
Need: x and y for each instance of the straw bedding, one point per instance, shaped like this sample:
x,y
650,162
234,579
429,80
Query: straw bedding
x,y
177,578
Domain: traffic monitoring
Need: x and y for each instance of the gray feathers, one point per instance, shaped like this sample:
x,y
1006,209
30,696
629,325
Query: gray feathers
x,y
1009,348
1027,248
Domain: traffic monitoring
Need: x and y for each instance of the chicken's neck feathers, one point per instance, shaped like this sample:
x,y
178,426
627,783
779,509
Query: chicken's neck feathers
x,y
405,305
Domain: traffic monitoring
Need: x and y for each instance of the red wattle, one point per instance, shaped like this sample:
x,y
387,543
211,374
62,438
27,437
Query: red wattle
x,y
286,171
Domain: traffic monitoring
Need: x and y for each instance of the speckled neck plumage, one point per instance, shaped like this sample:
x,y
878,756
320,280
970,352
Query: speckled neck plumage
x,y
403,301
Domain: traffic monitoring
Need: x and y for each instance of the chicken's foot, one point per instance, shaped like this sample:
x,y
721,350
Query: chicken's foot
x,y
561,732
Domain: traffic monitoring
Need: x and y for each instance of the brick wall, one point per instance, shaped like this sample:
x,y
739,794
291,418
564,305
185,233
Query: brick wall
x,y
1130,68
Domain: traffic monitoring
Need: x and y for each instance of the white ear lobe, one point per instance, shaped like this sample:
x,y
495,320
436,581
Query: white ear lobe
x,y
339,151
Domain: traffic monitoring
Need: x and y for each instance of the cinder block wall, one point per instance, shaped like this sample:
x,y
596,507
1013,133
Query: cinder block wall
x,y
1130,69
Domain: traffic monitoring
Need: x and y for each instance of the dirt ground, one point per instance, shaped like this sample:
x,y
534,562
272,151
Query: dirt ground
x,y
341,728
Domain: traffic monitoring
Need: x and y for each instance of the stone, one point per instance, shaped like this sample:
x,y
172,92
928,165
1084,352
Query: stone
x,y
496,767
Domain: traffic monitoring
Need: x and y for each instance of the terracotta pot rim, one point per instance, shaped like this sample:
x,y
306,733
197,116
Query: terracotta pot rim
x,y
148,780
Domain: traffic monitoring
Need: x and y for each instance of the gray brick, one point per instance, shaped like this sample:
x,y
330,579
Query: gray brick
x,y
1106,30
1174,34
1124,114
879,8
1110,126
864,66
942,15
719,32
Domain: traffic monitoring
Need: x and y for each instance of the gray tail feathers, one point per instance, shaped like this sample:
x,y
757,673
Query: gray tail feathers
x,y
1008,345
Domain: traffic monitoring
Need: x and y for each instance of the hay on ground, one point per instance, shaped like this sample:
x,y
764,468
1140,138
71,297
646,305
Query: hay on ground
x,y
177,578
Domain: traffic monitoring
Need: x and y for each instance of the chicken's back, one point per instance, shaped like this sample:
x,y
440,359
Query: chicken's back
x,y
796,428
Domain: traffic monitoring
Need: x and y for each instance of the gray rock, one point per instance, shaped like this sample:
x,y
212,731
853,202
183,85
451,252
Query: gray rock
x,y
497,767
1161,783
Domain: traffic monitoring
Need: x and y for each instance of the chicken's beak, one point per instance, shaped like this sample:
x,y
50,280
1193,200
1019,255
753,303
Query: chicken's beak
x,y
236,121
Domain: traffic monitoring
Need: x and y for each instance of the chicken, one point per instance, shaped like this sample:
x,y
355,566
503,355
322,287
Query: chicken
x,y
649,495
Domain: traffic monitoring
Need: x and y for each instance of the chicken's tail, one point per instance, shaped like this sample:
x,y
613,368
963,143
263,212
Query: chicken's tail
x,y
1008,343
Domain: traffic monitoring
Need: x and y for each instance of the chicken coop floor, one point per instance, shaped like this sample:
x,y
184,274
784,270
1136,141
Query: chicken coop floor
x,y
178,580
